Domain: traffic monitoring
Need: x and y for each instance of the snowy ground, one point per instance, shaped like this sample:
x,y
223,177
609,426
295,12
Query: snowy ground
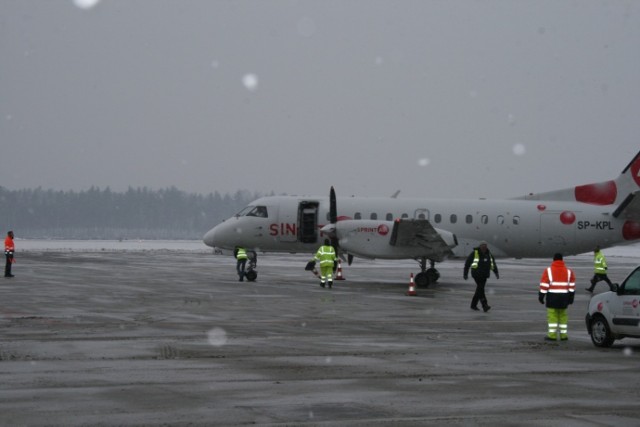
x,y
127,333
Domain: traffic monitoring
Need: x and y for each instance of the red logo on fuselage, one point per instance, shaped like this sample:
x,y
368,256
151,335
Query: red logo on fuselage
x,y
567,217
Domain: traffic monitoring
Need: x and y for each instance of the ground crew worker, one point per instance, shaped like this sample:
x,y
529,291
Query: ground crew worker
x,y
241,257
482,263
558,286
326,255
9,249
600,270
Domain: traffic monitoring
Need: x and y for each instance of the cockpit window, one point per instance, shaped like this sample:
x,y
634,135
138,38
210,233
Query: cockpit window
x,y
245,210
259,211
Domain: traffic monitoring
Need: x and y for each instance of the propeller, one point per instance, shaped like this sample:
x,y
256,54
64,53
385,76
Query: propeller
x,y
333,219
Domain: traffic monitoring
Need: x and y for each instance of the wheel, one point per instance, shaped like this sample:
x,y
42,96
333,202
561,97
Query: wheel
x,y
251,275
422,280
601,333
433,275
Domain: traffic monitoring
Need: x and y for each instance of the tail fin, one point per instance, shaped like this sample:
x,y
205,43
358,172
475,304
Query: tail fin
x,y
628,185
622,192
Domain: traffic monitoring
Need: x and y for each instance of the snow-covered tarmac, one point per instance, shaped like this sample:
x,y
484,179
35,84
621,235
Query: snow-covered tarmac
x,y
134,333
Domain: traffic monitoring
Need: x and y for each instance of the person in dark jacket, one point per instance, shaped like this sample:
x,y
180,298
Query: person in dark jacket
x,y
481,263
557,285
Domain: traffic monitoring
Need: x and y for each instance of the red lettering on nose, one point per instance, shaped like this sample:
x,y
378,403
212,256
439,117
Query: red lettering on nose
x,y
291,229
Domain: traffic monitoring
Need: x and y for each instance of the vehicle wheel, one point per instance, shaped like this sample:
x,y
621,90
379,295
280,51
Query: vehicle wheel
x,y
422,280
601,333
251,275
433,275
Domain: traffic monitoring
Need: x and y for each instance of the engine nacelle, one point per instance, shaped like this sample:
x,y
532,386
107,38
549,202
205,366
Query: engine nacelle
x,y
394,239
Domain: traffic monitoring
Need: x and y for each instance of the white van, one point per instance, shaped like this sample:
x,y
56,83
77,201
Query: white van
x,y
615,314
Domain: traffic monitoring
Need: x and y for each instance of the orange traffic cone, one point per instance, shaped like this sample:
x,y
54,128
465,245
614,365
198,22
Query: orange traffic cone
x,y
339,275
412,288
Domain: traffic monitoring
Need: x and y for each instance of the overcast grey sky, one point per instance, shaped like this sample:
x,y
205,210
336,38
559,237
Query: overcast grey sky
x,y
435,98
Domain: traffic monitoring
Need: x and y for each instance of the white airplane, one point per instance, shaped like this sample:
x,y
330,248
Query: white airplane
x,y
571,221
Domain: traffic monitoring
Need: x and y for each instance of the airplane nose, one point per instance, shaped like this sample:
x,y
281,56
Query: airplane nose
x,y
209,238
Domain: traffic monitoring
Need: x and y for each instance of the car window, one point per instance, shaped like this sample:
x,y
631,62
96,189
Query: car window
x,y
632,284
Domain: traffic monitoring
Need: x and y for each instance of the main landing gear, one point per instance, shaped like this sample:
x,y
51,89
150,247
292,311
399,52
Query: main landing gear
x,y
427,276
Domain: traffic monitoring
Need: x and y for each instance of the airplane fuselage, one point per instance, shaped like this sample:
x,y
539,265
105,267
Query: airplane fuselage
x,y
513,227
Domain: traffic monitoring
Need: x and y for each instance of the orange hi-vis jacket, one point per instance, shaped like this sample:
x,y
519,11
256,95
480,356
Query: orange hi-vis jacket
x,y
558,283
9,248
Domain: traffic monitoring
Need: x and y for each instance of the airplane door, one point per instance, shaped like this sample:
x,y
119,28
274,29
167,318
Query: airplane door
x,y
308,222
554,233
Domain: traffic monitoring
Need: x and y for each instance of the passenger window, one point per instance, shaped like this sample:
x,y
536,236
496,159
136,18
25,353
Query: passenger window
x,y
500,219
373,216
358,215
469,219
437,218
516,220
389,217
484,219
453,218
404,215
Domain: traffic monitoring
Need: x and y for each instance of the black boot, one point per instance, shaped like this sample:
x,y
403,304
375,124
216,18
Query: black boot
x,y
485,305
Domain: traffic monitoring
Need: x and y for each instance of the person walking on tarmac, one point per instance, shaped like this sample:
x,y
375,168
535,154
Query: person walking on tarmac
x,y
241,257
600,270
326,255
9,249
558,285
481,263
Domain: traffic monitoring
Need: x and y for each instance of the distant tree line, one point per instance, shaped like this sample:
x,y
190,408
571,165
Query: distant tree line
x,y
138,213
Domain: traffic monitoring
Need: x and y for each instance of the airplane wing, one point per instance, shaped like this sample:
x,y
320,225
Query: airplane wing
x,y
629,208
420,234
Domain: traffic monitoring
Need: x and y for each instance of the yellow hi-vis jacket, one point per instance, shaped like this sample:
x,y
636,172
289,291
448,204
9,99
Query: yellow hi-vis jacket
x,y
242,254
326,255
600,263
